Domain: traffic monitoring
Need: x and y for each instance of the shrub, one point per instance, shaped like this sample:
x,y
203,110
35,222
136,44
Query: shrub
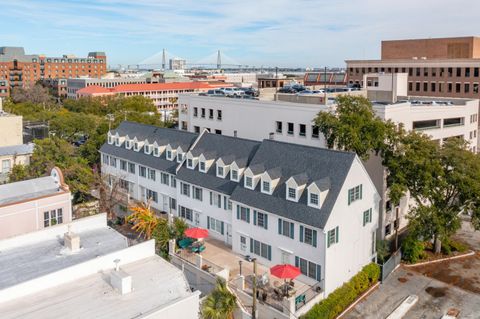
x,y
343,296
452,245
412,249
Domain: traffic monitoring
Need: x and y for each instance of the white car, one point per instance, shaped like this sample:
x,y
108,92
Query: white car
x,y
232,91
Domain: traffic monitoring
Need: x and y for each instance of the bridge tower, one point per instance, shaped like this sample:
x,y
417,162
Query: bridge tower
x,y
219,60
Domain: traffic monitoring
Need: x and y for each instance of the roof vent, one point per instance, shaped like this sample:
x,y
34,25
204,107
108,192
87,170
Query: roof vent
x,y
271,136
120,280
72,240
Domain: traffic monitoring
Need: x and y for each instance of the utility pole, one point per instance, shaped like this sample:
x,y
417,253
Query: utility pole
x,y
254,303
325,86
396,228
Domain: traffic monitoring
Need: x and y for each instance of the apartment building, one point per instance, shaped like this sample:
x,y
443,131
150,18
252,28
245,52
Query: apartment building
x,y
34,204
12,150
85,269
280,202
75,84
18,69
163,95
440,118
445,67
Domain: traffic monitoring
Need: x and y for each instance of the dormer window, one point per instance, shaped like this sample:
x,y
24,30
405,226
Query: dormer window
x,y
128,144
156,151
202,167
265,186
313,199
292,193
180,157
148,149
117,141
190,163
169,155
317,193
234,175
110,139
220,171
248,182
136,146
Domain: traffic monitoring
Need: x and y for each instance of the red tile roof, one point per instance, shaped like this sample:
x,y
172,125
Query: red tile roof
x,y
139,87
94,89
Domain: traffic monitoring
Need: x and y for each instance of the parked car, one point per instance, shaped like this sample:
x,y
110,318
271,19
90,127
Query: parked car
x,y
213,93
250,91
232,91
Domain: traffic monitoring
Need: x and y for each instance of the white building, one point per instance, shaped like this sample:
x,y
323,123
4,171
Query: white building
x,y
75,84
439,118
280,202
87,270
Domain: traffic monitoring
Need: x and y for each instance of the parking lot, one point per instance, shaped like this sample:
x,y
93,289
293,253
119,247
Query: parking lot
x,y
435,298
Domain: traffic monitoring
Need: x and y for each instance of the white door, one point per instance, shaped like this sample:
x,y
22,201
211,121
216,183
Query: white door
x,y
285,257
243,243
165,200
197,219
229,234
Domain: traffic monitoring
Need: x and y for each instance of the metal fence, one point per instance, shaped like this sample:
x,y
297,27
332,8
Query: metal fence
x,y
308,293
391,264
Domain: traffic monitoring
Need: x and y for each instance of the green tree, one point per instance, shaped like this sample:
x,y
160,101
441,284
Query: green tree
x,y
353,126
36,94
70,126
443,181
220,304
19,173
162,234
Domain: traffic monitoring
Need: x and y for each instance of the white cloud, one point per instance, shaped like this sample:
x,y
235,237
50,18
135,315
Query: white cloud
x,y
269,32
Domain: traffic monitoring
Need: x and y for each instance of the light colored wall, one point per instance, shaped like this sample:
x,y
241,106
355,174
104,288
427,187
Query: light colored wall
x,y
354,249
187,307
11,130
25,217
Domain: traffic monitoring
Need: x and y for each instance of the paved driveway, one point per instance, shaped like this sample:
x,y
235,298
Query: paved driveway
x,y
435,298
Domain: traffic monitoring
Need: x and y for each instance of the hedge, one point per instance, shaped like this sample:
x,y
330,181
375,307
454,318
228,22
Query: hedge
x,y
342,297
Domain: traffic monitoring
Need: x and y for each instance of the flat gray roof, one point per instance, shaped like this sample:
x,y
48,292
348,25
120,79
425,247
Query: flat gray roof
x,y
29,189
45,253
155,282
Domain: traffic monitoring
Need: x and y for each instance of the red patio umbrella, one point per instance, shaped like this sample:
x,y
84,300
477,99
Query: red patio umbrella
x,y
285,271
196,233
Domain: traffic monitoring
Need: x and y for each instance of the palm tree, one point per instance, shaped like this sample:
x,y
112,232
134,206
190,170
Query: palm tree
x,y
144,220
220,304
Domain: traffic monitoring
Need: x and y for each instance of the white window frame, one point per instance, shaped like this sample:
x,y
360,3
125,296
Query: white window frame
x,y
264,182
245,182
222,168
204,170
294,198
180,157
231,175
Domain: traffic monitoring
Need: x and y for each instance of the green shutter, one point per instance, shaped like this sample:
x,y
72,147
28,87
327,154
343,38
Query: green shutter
x,y
279,226
265,221
297,261
269,252
361,191
336,234
319,273
211,198
349,197
238,211
314,238
254,217
251,245
248,215
222,228
301,233
292,230
328,239
365,217
208,222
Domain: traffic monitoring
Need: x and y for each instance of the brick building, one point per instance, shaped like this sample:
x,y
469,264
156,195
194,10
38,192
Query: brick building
x,y
447,67
18,69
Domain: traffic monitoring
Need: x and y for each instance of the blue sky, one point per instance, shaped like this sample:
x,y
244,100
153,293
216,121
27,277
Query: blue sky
x,y
305,33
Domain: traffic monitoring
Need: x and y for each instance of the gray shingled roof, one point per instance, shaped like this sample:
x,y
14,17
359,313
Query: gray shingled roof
x,y
225,147
152,133
21,149
316,163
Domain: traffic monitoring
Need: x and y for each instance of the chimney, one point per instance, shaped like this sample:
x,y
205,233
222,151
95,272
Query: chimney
x,y
235,133
120,280
72,240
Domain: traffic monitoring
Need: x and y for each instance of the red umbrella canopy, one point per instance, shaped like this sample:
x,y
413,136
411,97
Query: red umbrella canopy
x,y
196,233
285,271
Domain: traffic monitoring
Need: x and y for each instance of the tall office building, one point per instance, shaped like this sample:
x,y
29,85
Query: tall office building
x,y
446,67
18,69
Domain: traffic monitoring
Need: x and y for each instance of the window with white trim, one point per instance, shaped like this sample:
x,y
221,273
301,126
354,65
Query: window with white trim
x,y
265,186
185,189
308,236
354,194
234,175
142,171
152,174
180,157
173,181
53,217
202,167
215,225
243,213
367,216
190,163
308,268
260,249
313,199
164,178
260,219
292,193
248,182
131,168
286,228
123,165
332,236
169,155
220,171
186,213
152,195
197,193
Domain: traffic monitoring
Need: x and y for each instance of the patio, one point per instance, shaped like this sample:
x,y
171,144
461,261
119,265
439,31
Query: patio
x,y
270,289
